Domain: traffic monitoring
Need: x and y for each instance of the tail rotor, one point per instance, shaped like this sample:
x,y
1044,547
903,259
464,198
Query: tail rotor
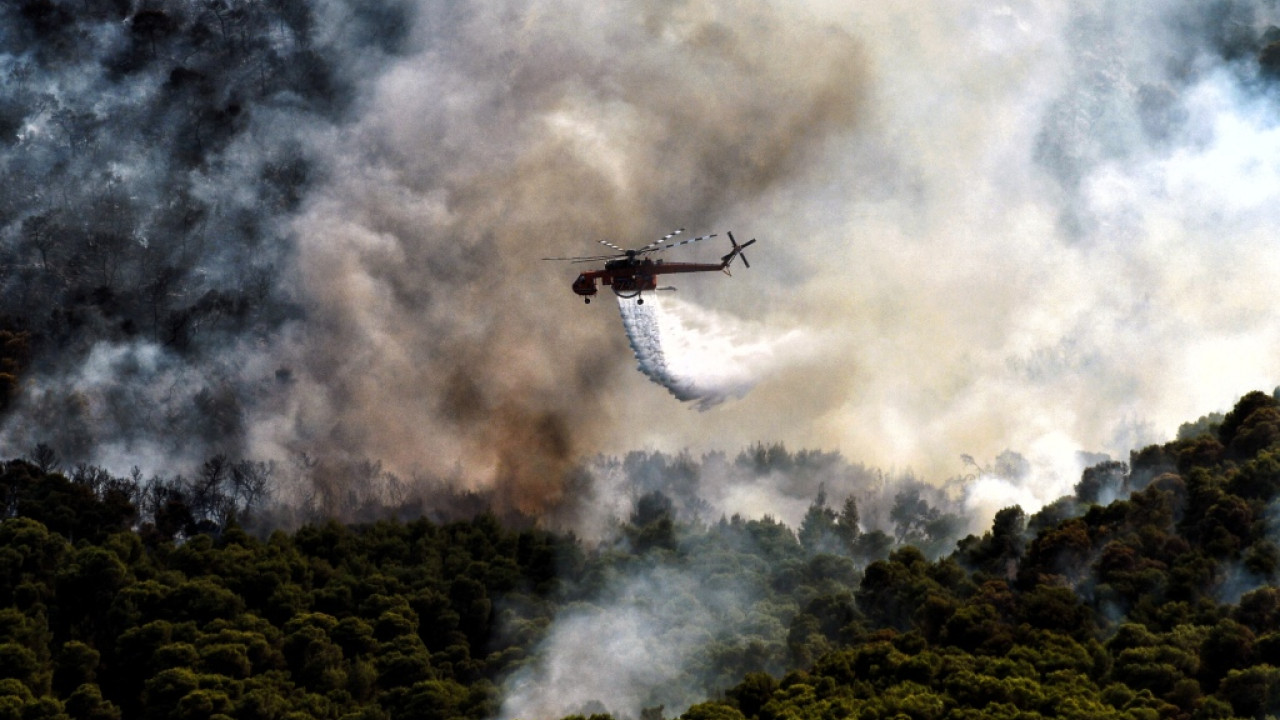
x,y
736,252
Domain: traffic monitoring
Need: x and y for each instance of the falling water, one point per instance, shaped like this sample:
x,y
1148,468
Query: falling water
x,y
699,355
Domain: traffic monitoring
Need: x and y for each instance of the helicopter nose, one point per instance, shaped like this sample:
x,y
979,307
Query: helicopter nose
x,y
584,285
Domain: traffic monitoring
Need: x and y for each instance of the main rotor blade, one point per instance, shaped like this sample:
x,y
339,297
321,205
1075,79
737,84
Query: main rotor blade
x,y
664,238
586,258
652,247
690,241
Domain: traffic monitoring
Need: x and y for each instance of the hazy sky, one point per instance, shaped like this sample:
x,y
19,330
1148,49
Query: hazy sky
x,y
1036,227
981,227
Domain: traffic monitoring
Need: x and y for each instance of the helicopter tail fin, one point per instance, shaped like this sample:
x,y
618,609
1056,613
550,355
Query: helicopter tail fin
x,y
736,252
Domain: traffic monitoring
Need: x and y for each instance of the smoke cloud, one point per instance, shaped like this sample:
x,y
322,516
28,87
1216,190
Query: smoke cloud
x,y
629,649
409,320
1040,228
1026,243
433,335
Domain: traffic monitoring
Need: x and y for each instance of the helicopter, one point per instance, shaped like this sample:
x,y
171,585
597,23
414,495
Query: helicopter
x,y
631,272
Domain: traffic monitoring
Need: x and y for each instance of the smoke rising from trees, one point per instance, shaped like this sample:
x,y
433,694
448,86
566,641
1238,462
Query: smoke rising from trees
x,y
310,230
329,248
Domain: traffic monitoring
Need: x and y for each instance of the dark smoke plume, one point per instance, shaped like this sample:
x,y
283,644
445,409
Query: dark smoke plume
x,y
312,228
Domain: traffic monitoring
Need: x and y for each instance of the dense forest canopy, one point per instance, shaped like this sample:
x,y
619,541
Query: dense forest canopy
x,y
1148,592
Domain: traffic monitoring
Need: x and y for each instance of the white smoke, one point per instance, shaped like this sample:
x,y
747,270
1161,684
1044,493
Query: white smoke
x,y
633,647
704,356
1006,224
1050,470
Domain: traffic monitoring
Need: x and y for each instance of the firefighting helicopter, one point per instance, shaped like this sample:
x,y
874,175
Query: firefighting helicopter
x,y
631,272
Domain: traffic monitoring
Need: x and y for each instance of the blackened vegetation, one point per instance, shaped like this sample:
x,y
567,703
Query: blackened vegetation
x,y
1158,603
148,175
103,238
14,354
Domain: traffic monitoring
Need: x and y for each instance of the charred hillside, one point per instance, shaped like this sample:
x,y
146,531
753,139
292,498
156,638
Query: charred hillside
x,y
1157,603
140,222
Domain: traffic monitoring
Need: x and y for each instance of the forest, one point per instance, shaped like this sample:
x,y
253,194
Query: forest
x,y
1149,592
154,154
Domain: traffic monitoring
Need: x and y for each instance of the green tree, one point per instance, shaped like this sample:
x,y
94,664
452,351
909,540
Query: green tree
x,y
76,665
1229,646
22,664
314,659
712,711
1252,691
819,530
86,703
165,691
752,693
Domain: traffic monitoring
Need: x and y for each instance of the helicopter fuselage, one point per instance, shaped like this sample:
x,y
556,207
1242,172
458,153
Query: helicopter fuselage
x,y
633,272
628,277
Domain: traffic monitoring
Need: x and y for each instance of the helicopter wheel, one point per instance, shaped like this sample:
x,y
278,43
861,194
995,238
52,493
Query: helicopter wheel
x,y
639,301
586,300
